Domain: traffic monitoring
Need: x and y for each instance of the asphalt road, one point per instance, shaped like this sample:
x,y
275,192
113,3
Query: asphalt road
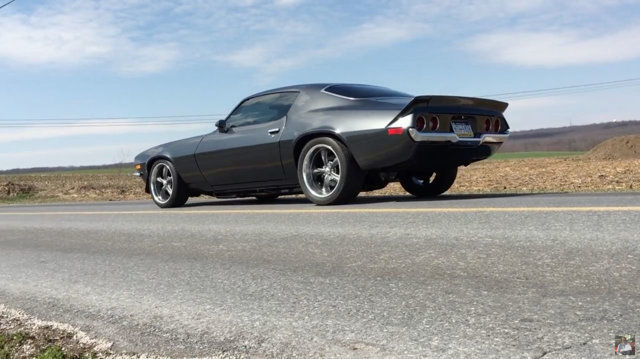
x,y
461,276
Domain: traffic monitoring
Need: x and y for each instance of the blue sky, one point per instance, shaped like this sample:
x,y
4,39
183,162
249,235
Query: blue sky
x,y
130,58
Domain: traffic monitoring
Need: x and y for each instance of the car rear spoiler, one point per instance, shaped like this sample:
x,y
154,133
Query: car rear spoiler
x,y
470,103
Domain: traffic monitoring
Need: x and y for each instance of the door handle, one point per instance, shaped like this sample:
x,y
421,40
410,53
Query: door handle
x,y
273,131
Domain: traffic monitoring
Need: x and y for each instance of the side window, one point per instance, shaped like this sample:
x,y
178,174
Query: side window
x,y
262,109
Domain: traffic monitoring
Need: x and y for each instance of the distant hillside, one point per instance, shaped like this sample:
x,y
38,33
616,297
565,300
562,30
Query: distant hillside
x,y
570,138
128,165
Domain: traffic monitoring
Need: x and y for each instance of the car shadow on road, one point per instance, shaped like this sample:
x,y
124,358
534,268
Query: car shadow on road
x,y
361,200
442,198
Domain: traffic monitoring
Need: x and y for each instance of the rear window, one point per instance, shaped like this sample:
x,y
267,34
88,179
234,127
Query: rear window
x,y
363,91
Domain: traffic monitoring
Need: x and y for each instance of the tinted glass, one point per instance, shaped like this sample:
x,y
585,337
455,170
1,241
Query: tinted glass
x,y
262,109
364,91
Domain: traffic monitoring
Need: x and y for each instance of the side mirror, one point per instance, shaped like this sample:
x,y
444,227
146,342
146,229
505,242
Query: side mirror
x,y
222,126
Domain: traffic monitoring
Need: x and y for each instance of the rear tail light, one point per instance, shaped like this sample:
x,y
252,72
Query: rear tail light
x,y
421,123
487,125
496,125
394,130
434,123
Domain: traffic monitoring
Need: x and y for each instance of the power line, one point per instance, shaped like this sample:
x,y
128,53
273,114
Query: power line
x,y
194,119
570,92
108,118
7,4
567,87
104,124
567,90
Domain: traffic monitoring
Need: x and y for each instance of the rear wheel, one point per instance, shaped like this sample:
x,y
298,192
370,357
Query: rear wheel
x,y
429,184
167,188
328,173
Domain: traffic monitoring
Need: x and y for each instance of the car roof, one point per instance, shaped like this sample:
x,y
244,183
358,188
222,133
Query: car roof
x,y
301,87
317,87
311,87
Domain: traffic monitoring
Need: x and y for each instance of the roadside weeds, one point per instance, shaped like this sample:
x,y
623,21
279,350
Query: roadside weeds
x,y
25,337
22,336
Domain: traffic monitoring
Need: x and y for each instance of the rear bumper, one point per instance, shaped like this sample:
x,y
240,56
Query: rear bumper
x,y
453,138
413,150
430,151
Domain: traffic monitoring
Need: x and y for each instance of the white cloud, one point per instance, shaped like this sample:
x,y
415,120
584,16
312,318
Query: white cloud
x,y
510,33
146,59
71,33
271,36
57,39
251,56
287,2
557,48
289,50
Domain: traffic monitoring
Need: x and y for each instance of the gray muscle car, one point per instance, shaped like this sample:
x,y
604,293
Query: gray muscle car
x,y
328,141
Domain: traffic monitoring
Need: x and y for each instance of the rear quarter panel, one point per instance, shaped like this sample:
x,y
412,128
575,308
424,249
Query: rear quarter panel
x,y
360,124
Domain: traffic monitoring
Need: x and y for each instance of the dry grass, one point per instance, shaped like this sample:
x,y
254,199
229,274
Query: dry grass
x,y
72,187
524,175
563,174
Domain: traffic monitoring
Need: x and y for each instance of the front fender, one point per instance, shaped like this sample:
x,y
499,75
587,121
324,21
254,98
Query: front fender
x,y
181,153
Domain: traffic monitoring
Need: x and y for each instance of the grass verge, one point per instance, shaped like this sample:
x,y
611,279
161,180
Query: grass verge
x,y
22,337
22,197
20,344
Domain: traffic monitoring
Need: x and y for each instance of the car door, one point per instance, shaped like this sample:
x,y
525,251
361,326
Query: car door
x,y
248,151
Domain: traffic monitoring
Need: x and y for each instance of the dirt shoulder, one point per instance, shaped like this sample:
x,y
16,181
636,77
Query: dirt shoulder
x,y
525,175
71,187
563,174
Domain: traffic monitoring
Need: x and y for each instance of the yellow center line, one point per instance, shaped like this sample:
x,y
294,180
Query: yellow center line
x,y
340,210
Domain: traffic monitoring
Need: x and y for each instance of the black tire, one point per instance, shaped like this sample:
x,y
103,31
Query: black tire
x,y
179,191
267,197
350,176
429,184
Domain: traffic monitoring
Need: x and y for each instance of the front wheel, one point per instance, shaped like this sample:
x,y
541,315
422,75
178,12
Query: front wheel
x,y
429,184
166,186
328,173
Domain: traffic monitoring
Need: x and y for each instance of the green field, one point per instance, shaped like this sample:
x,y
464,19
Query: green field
x,y
537,154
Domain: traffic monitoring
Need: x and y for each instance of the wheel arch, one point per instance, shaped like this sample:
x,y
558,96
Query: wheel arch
x,y
304,139
148,166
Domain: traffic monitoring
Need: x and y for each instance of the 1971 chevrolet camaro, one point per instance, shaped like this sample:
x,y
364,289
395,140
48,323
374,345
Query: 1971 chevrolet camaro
x,y
329,141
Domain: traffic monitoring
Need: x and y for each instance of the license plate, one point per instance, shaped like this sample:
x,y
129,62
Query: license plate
x,y
462,129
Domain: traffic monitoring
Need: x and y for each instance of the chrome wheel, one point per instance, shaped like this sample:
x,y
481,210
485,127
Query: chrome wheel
x,y
428,184
424,179
321,170
161,182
